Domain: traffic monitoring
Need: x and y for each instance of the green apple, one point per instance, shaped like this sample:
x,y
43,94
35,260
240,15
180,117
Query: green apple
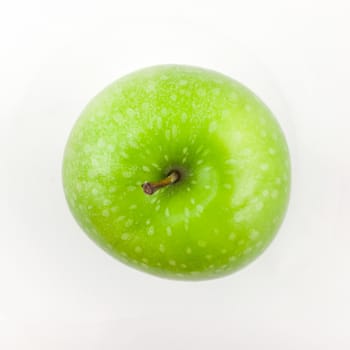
x,y
178,171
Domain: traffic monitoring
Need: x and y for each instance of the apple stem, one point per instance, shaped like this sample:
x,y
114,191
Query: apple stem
x,y
151,187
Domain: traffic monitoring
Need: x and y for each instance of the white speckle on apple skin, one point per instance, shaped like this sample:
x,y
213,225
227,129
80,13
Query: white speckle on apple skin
x,y
105,212
168,231
274,194
125,236
129,223
172,262
232,237
150,231
264,166
138,249
156,166
259,206
202,243
253,234
238,217
248,107
107,202
212,126
247,250
199,209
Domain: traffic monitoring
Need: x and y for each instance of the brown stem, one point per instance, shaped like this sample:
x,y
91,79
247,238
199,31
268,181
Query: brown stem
x,y
151,187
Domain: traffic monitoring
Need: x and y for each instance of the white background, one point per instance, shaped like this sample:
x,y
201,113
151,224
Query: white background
x,y
58,290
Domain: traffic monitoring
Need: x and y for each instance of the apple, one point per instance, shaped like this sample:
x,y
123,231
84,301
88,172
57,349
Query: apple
x,y
178,171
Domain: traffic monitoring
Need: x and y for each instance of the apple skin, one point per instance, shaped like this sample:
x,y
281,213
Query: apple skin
x,y
233,159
